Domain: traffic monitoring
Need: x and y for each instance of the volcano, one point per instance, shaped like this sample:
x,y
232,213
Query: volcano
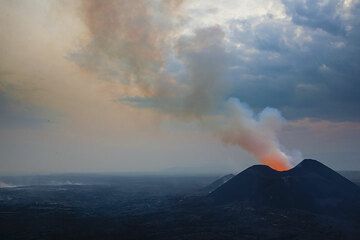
x,y
310,186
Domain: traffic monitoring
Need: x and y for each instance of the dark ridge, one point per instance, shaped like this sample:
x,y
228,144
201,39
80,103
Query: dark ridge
x,y
310,165
310,162
310,186
216,184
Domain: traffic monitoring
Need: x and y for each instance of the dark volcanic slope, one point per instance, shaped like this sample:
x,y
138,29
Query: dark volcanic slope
x,y
217,183
310,186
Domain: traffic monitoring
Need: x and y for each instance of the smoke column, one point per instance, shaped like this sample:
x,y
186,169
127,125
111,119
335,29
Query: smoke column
x,y
132,42
255,134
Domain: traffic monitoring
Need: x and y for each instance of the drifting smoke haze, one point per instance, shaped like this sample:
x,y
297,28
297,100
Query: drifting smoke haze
x,y
131,44
145,85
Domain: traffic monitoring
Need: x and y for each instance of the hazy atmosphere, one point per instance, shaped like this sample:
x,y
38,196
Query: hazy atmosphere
x,y
178,86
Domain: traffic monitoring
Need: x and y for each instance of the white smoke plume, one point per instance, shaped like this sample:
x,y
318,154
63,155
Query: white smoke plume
x,y
255,134
134,42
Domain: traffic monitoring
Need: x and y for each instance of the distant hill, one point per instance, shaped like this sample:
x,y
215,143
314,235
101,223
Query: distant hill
x,y
310,186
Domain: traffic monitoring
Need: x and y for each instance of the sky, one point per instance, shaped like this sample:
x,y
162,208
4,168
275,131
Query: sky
x,y
178,85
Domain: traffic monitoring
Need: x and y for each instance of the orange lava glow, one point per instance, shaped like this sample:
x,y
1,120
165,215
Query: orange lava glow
x,y
276,162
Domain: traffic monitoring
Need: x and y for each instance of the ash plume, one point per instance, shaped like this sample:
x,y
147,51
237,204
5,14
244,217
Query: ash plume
x,y
134,42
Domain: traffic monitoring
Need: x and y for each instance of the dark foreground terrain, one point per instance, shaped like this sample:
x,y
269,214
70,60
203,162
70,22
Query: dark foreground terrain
x,y
148,207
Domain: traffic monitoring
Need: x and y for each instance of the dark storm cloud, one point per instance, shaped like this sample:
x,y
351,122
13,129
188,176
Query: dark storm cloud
x,y
317,14
306,67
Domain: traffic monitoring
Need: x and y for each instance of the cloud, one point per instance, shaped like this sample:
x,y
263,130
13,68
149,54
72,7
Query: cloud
x,y
120,69
325,15
39,82
304,70
134,48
